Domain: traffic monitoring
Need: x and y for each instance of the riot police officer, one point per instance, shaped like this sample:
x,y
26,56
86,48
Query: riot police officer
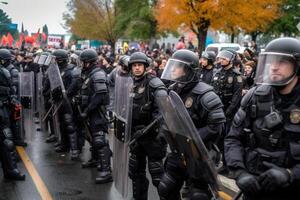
x,y
65,113
94,97
6,59
207,66
228,84
205,109
151,145
7,147
262,148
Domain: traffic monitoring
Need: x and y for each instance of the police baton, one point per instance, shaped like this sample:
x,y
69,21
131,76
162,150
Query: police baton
x,y
145,130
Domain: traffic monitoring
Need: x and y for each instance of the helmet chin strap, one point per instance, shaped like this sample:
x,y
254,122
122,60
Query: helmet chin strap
x,y
286,81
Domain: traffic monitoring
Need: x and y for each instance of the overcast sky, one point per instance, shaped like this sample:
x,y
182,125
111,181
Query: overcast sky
x,y
36,13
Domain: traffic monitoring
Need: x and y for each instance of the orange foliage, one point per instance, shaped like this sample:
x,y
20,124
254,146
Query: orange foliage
x,y
226,15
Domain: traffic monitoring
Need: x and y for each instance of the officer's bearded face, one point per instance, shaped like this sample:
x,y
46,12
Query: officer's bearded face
x,y
177,72
281,70
138,69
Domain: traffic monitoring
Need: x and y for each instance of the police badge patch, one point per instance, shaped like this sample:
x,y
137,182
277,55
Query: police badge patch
x,y
295,116
188,102
230,79
239,79
141,90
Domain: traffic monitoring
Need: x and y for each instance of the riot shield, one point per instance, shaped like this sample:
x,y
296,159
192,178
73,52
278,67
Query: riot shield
x,y
183,134
123,110
26,81
40,100
57,92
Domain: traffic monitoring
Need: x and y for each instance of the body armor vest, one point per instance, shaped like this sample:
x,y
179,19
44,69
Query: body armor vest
x,y
276,131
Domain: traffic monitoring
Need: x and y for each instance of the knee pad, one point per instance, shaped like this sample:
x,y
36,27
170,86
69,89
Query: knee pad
x,y
168,186
9,145
68,118
197,194
156,171
7,133
99,140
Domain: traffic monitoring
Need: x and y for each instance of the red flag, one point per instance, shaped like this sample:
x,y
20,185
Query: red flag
x,y
35,36
4,40
29,39
10,39
44,36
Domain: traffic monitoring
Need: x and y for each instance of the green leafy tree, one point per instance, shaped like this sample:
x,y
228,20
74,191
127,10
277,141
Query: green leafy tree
x,y
4,25
136,18
287,23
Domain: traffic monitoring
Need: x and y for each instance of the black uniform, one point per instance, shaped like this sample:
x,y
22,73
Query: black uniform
x,y
262,148
7,146
205,109
228,85
94,97
150,146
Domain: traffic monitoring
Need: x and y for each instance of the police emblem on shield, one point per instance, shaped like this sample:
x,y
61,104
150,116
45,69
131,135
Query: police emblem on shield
x,y
295,116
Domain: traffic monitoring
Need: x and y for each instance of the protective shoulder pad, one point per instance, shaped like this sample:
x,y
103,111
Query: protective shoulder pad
x,y
70,66
202,88
99,77
5,72
211,101
263,90
156,83
76,73
10,67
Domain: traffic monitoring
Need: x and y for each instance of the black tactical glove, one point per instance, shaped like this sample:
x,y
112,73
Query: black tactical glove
x,y
274,177
248,183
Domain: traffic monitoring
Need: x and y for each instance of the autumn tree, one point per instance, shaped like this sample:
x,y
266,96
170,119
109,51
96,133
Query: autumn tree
x,y
92,19
227,15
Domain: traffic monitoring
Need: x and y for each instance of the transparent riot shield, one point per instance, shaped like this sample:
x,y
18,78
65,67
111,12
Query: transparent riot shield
x,y
183,134
57,92
40,101
123,111
26,81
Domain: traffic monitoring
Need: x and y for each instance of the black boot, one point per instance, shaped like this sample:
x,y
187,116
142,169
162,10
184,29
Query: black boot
x,y
74,146
140,187
9,163
14,175
93,162
51,138
105,175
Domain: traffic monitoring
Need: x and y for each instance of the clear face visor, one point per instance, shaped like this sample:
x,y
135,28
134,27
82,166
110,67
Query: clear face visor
x,y
36,59
275,69
176,70
42,59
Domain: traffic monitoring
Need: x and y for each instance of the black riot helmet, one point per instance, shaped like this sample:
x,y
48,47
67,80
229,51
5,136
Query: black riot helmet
x,y
210,56
279,54
88,56
123,62
61,56
181,67
5,57
138,57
